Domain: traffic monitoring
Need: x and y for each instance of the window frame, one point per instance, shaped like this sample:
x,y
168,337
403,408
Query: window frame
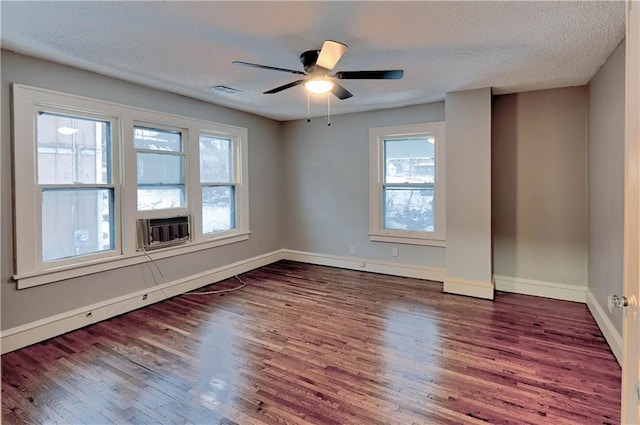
x,y
29,268
377,166
114,186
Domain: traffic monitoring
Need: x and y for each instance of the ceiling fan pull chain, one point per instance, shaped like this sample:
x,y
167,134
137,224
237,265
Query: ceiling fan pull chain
x,y
328,109
308,108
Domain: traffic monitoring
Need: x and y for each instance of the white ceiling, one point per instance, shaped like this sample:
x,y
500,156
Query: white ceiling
x,y
188,47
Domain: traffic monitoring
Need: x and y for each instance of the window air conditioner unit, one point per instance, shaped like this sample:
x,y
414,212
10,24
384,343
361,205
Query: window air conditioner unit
x,y
162,232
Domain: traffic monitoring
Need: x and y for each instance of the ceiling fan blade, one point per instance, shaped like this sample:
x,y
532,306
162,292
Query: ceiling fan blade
x,y
273,68
340,92
286,86
330,54
391,74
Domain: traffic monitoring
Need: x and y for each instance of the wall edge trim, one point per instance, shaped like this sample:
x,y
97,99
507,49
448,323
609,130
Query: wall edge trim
x,y
470,288
558,291
366,265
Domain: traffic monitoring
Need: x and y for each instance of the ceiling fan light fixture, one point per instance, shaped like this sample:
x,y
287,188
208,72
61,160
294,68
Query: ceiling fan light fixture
x,y
319,85
67,131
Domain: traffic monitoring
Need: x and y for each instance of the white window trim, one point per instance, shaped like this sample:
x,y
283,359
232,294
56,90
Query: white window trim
x,y
377,232
30,270
35,209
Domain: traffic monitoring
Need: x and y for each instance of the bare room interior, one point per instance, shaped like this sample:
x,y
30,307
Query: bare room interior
x,y
320,212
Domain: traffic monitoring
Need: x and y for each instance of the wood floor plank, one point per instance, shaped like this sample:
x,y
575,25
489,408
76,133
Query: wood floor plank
x,y
304,344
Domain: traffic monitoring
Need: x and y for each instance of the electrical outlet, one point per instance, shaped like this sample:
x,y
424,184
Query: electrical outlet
x,y
394,252
352,250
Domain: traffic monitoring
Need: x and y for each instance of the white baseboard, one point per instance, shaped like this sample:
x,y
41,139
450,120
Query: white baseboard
x,y
614,339
470,288
558,291
374,266
40,330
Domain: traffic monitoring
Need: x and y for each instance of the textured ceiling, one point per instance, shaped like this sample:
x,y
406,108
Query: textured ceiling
x,y
188,47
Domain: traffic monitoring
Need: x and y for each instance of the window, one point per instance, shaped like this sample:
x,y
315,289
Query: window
x,y
218,180
160,168
407,184
87,170
75,185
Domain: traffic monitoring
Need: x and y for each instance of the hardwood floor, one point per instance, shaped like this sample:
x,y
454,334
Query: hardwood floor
x,y
303,344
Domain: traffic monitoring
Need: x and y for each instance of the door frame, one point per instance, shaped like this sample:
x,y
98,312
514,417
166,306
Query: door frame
x,y
630,412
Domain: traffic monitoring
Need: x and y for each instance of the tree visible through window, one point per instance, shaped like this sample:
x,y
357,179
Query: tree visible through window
x,y
409,176
217,177
407,184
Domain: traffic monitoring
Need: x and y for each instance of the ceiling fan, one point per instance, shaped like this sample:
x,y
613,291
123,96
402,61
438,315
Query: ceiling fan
x,y
317,66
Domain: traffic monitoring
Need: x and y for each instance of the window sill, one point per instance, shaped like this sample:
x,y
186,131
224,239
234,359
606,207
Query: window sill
x,y
407,240
55,274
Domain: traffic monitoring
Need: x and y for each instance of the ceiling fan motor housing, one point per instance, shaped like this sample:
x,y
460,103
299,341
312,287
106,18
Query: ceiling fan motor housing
x,y
309,59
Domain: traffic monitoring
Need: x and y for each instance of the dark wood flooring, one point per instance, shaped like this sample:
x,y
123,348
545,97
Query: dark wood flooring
x,y
303,344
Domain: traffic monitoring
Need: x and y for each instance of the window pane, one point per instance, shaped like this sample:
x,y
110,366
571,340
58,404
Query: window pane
x,y
162,140
160,197
154,168
73,150
215,160
409,209
410,160
218,209
76,222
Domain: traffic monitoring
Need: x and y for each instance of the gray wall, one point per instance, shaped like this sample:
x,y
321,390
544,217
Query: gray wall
x,y
539,185
606,181
469,193
309,186
265,165
326,185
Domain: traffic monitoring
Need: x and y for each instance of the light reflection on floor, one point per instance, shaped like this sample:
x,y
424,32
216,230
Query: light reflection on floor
x,y
413,326
219,373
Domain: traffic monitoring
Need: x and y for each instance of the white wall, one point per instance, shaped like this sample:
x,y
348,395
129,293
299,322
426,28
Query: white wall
x,y
265,164
606,181
539,188
326,186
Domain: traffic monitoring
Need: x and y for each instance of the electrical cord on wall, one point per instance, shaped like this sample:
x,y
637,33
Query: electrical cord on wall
x,y
155,281
155,264
220,291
